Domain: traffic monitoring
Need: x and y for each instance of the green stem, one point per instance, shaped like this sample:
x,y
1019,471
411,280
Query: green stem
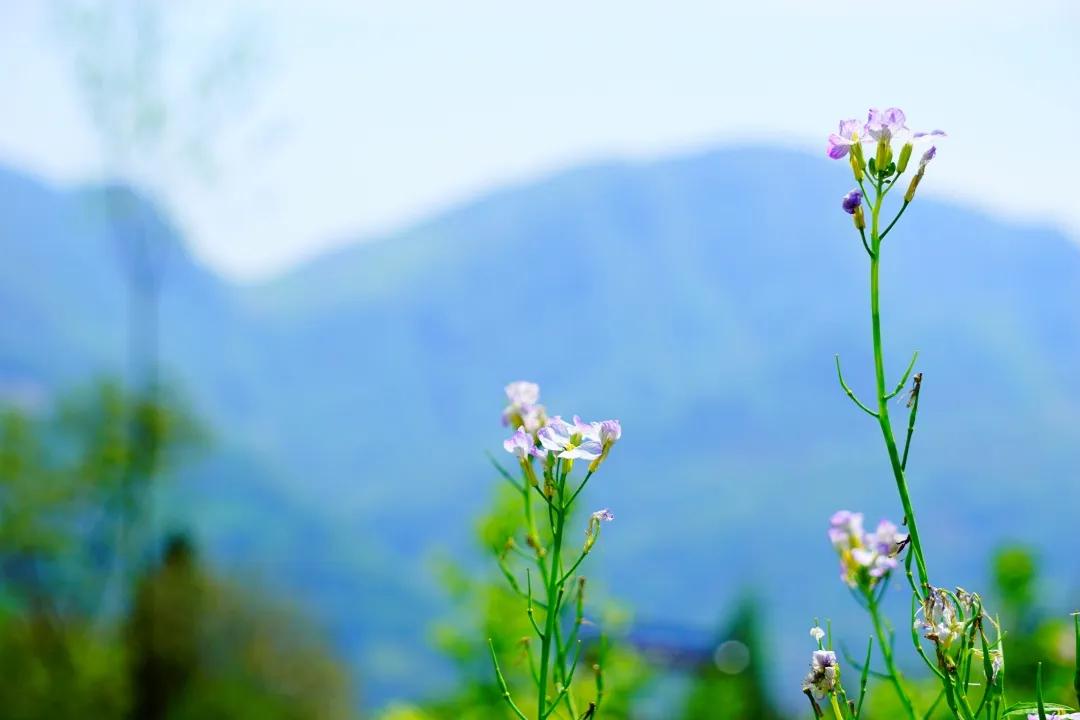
x,y
836,707
553,604
883,405
887,654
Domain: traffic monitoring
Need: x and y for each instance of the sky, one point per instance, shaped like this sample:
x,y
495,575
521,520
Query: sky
x,y
356,118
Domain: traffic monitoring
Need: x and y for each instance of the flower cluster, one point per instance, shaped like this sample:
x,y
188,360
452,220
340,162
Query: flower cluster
x,y
824,673
524,410
945,616
881,126
865,558
881,129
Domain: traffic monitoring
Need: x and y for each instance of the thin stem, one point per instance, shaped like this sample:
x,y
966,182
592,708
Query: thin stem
x,y
862,234
850,393
836,706
579,489
559,519
886,232
887,654
503,689
1076,677
883,407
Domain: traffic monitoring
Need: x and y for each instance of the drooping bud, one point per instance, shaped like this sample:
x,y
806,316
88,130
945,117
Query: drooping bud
x,y
592,531
905,156
851,202
609,432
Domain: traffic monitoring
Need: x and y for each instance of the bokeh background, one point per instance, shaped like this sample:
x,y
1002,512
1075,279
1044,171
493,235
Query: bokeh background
x,y
267,267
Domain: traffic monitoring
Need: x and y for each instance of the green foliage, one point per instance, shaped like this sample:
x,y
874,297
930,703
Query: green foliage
x,y
485,607
74,484
735,680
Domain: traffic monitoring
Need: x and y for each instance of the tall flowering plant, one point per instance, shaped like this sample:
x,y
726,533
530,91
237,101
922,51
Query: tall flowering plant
x,y
951,630
555,461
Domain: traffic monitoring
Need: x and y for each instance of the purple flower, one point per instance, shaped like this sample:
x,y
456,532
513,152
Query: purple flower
x,y
865,557
523,393
824,673
884,124
887,539
843,526
603,514
610,432
521,444
840,143
580,441
851,202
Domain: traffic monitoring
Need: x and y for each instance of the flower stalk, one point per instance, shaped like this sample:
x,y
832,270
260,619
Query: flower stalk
x,y
546,450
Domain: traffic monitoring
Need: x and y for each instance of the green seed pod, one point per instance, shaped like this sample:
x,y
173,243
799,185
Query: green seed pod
x,y
910,194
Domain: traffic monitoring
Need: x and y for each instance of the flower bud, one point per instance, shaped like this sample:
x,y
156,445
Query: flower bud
x,y
856,167
856,149
592,531
905,156
884,154
860,219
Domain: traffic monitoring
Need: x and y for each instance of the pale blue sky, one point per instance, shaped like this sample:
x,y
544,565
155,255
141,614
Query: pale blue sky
x,y
372,115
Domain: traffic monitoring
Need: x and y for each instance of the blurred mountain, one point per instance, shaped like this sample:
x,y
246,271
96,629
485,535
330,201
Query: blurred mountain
x,y
700,299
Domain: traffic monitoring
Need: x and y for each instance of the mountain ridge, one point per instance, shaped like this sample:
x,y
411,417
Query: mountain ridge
x,y
691,298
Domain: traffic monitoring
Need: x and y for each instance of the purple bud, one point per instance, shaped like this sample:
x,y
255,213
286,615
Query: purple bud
x,y
851,201
927,156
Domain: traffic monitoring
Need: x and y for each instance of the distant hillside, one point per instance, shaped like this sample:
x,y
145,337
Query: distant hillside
x,y
700,299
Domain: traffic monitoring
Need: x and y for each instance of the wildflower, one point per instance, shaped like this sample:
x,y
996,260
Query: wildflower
x,y
522,393
603,514
817,633
1052,716
865,558
843,526
522,445
824,673
940,621
609,432
887,539
851,202
580,441
524,409
884,124
844,141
